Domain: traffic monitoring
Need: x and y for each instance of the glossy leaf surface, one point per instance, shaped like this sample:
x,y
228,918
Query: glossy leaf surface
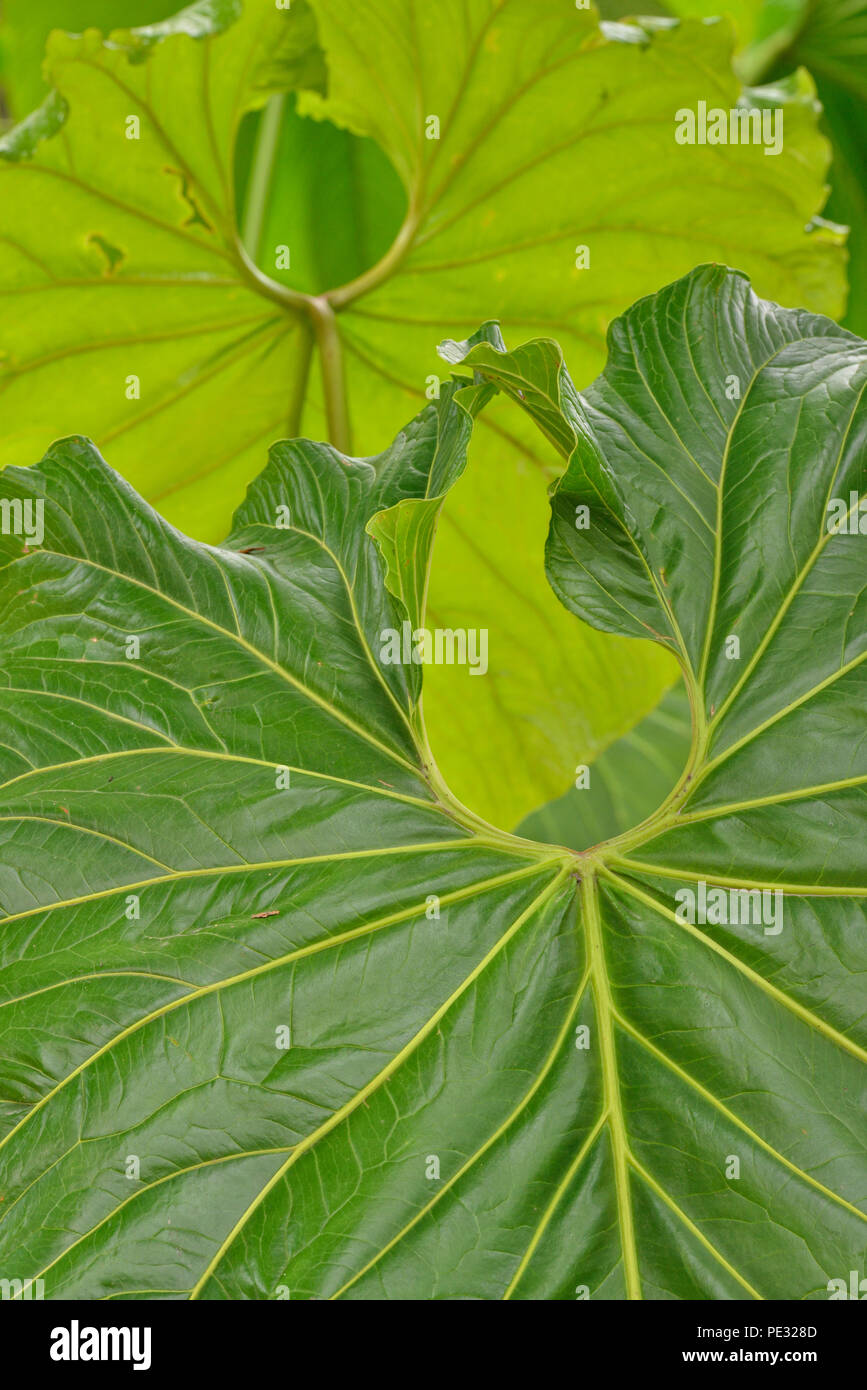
x,y
280,1018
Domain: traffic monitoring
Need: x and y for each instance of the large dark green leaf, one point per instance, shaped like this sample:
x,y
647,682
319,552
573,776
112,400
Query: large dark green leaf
x,y
121,258
191,907
326,1039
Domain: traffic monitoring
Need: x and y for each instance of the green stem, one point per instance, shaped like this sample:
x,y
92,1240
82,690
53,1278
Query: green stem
x,y
302,376
318,309
333,374
261,174
383,270
611,1084
314,326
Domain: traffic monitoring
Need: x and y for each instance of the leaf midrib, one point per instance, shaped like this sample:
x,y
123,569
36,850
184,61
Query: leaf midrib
x,y
408,1050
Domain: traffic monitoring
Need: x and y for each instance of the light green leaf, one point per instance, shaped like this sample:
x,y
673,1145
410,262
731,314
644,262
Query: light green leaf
x,y
831,42
122,273
349,1040
24,29
829,39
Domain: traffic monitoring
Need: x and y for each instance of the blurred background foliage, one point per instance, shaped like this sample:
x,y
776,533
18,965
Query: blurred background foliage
x,y
348,184
827,37
25,25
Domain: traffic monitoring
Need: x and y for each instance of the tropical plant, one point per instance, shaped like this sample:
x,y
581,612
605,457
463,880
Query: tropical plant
x,y
231,226
285,1019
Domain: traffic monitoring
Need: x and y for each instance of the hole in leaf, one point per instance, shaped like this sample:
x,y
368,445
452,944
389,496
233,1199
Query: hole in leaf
x,y
556,692
196,217
113,254
317,206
